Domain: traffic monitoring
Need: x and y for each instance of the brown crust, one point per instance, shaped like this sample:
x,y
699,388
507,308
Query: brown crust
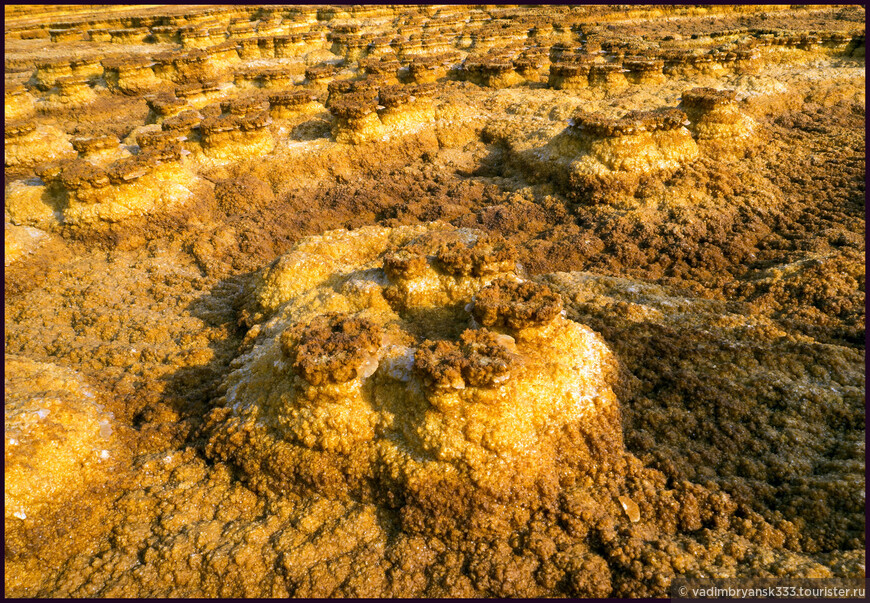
x,y
353,106
242,193
633,122
516,305
95,143
130,169
320,71
642,64
394,96
489,254
81,173
254,121
215,124
332,347
708,98
569,69
480,359
403,266
292,98
182,122
244,106
426,90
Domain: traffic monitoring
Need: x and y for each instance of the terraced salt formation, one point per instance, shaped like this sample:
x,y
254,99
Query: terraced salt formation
x,y
432,301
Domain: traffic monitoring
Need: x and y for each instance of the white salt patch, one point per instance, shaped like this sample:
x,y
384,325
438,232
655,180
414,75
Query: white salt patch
x,y
20,514
104,454
42,412
105,430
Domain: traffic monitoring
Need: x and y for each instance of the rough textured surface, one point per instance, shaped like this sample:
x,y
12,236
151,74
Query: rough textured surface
x,y
516,304
331,348
56,436
372,309
473,405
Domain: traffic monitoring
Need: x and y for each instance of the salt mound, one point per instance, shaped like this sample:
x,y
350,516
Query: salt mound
x,y
375,370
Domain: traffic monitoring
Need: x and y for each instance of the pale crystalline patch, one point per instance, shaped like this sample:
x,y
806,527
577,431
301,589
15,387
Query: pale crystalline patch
x,y
398,362
22,241
420,285
631,509
368,367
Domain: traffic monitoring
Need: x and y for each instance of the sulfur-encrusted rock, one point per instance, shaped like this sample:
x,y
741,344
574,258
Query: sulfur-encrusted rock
x,y
320,75
405,108
20,242
58,437
200,92
48,71
99,149
516,304
164,106
643,70
283,105
607,75
150,182
244,106
716,115
230,137
569,76
130,75
29,145
332,348
87,66
18,103
426,69
639,142
356,117
531,64
601,158
406,393
71,91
